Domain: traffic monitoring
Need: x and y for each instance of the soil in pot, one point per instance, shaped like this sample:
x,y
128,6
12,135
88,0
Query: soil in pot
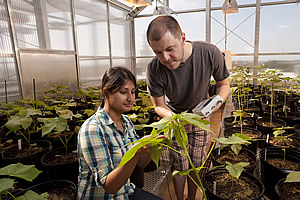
x,y
245,188
245,155
281,141
288,191
274,168
292,118
28,156
232,122
250,132
60,165
265,127
57,190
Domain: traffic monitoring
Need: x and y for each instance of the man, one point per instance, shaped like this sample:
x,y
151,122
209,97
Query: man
x,y
181,71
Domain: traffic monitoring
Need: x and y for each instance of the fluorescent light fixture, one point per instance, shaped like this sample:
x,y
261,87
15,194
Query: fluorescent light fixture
x,y
230,6
138,3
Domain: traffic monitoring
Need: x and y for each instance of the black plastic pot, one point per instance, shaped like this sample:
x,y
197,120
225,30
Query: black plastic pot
x,y
270,174
297,130
209,178
61,171
268,130
291,119
281,190
53,188
9,157
267,138
254,144
216,153
229,122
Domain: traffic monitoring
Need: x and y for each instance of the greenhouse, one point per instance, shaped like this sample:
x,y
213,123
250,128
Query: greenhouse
x,y
152,99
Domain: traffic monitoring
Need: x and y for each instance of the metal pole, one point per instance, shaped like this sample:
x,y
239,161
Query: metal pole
x,y
208,21
256,39
5,88
133,50
73,18
109,36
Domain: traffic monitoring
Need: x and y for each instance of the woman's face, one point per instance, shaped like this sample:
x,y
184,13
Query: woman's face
x,y
123,99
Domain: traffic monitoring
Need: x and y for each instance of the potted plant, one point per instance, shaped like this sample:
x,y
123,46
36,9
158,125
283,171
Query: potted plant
x,y
8,185
60,163
289,188
232,183
282,140
236,153
24,124
173,124
276,163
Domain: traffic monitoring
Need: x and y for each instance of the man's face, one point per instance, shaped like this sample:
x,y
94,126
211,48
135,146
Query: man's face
x,y
169,50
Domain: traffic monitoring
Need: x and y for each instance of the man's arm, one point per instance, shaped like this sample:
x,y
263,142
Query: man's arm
x,y
160,106
223,88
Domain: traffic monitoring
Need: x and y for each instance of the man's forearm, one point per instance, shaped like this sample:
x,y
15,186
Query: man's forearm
x,y
163,111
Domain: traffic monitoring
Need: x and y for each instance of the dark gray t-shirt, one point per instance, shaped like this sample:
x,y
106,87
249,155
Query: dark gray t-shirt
x,y
188,85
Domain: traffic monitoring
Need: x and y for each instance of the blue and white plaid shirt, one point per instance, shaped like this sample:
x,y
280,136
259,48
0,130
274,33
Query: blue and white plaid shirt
x,y
100,150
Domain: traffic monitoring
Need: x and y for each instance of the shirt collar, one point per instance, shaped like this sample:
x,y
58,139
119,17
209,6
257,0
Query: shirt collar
x,y
106,119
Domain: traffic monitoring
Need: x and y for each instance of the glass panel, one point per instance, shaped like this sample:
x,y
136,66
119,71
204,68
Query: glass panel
x,y
289,65
186,4
120,33
122,63
91,24
195,28
141,44
91,72
141,65
245,61
43,24
280,28
240,30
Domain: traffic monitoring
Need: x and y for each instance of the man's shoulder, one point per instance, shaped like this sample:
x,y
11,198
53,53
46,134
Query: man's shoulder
x,y
204,45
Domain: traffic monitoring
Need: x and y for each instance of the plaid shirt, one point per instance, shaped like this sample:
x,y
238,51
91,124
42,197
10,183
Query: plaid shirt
x,y
100,149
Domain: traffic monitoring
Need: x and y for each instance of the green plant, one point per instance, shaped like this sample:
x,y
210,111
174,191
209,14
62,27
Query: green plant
x,y
26,172
24,122
234,170
168,126
281,139
293,177
57,125
235,141
60,92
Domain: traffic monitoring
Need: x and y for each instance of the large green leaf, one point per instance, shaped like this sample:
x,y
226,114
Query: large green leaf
x,y
27,172
293,177
132,151
160,125
200,123
156,153
30,195
235,170
233,139
58,124
5,184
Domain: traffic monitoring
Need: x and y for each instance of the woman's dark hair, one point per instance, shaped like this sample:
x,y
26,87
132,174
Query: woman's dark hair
x,y
162,24
114,78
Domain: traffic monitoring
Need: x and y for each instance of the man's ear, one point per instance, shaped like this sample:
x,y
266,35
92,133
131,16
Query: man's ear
x,y
183,37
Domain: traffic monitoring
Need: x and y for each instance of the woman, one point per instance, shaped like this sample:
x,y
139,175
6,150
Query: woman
x,y
102,139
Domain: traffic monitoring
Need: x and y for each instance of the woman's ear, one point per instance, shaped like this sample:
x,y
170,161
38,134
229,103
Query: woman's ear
x,y
105,95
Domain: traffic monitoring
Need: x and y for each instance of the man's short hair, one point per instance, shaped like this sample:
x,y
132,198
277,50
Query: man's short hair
x,y
161,25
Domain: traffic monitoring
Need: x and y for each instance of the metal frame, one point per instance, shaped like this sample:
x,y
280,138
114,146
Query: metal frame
x,y
14,43
208,10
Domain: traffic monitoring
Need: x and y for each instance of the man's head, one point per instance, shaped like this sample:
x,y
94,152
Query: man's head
x,y
166,39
